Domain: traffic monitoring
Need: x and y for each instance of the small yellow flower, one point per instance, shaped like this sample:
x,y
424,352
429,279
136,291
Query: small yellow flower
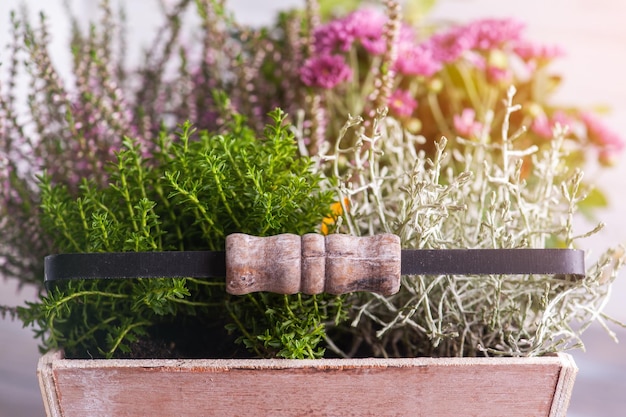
x,y
336,211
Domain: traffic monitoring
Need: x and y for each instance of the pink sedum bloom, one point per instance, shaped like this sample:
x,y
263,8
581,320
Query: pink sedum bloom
x,y
487,34
402,103
499,75
466,124
609,142
325,71
367,27
529,51
332,37
450,45
543,126
416,60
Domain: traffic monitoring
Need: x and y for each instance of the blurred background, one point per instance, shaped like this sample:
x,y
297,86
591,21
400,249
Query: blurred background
x,y
593,34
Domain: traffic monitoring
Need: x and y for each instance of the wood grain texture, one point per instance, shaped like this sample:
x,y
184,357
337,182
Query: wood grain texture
x,y
47,385
564,387
369,263
513,387
313,263
263,263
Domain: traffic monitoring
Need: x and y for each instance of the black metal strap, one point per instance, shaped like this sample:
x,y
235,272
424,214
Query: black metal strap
x,y
206,264
120,265
493,261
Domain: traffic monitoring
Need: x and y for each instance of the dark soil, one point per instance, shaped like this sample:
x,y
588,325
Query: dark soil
x,y
193,340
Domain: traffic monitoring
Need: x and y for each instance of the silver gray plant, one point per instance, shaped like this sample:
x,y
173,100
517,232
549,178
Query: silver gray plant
x,y
493,195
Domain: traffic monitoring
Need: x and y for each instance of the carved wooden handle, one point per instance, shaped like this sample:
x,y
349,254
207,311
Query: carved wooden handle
x,y
312,264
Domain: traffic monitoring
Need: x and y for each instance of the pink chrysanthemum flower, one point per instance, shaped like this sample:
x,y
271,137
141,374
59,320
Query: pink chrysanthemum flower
x,y
450,45
497,74
543,126
529,51
333,36
402,103
609,142
325,71
489,34
482,35
416,60
562,118
466,124
367,27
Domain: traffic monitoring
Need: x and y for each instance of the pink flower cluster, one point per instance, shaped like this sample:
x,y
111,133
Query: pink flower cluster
x,y
452,44
365,29
325,71
487,50
529,51
416,60
543,126
466,124
328,68
609,142
402,103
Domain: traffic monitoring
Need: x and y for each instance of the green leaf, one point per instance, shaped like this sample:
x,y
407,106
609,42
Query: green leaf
x,y
595,199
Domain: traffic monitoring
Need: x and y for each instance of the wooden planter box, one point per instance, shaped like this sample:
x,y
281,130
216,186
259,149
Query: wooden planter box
x,y
524,387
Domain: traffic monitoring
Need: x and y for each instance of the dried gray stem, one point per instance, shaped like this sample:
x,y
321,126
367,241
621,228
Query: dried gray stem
x,y
491,195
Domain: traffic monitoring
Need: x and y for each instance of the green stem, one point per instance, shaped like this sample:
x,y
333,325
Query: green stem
x,y
194,303
92,330
220,191
168,207
64,227
126,195
206,282
121,337
200,209
141,181
87,294
438,113
242,329
472,91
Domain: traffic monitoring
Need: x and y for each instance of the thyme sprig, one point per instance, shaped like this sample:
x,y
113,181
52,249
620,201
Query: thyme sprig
x,y
194,190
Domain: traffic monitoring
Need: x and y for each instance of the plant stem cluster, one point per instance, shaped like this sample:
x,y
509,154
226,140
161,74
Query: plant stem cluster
x,y
92,164
487,198
191,193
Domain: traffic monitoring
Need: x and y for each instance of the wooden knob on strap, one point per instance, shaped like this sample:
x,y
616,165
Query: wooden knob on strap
x,y
263,264
312,264
370,263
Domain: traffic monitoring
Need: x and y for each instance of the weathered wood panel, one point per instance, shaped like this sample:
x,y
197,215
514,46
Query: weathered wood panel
x,y
512,387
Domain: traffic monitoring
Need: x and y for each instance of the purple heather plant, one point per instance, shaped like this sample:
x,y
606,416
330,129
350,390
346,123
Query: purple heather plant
x,y
71,128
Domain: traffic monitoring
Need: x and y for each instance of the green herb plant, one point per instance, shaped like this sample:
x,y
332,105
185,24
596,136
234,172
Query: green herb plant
x,y
192,192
